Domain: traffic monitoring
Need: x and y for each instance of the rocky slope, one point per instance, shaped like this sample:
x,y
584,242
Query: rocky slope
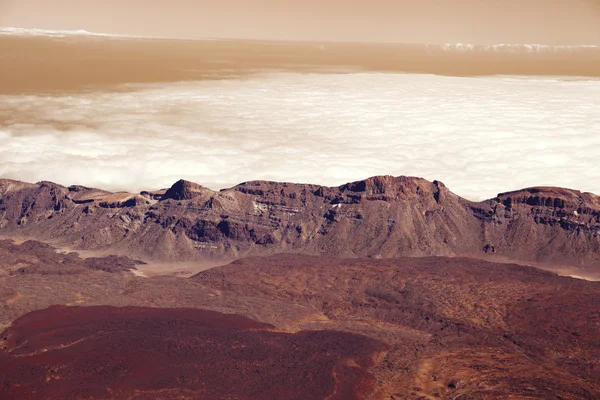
x,y
32,257
378,217
457,327
451,328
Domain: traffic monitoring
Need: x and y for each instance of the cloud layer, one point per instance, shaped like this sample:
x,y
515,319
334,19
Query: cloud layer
x,y
480,136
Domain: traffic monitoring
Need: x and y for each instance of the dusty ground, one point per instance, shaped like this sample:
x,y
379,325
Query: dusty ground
x,y
454,327
141,353
147,269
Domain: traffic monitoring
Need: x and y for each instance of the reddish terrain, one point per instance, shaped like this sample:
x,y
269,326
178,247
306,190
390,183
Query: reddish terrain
x,y
379,217
458,327
374,325
452,327
143,353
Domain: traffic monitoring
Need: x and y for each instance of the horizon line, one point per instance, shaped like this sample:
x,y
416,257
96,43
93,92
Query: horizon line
x,y
64,33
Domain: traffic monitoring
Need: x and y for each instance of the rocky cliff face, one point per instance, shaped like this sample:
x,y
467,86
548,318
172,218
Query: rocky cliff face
x,y
544,224
378,217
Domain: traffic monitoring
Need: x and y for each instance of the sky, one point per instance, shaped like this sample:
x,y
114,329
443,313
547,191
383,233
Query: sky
x,y
431,21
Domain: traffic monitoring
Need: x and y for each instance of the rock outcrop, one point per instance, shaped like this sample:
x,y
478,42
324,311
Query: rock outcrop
x,y
185,190
33,257
378,217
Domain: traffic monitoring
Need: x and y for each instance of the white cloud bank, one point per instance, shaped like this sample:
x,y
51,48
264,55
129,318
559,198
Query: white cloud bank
x,y
480,136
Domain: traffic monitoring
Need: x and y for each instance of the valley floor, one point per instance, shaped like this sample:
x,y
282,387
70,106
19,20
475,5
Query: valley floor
x,y
425,327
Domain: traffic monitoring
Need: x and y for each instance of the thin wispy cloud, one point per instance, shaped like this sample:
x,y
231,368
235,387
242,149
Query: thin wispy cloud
x,y
480,136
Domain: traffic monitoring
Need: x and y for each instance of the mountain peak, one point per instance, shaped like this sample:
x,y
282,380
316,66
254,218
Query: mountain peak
x,y
185,190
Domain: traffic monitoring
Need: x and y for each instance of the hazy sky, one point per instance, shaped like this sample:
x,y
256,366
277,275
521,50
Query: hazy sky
x,y
466,21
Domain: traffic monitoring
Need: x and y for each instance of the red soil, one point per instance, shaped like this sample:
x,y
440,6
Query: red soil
x,y
145,353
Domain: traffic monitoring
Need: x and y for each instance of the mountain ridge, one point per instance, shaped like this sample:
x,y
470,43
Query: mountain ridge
x,y
380,217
